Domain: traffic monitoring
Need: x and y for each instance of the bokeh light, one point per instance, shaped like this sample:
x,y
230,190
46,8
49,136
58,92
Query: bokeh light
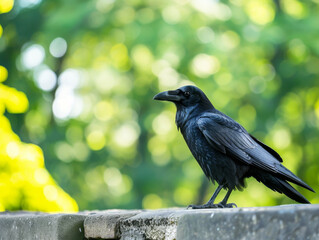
x,y
152,201
204,65
58,47
6,6
32,56
3,73
127,134
205,34
96,140
261,12
45,79
28,3
67,103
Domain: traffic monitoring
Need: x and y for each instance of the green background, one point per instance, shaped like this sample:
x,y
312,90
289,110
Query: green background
x,y
107,143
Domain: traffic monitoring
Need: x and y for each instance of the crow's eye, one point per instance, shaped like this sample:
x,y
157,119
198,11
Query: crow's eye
x,y
187,94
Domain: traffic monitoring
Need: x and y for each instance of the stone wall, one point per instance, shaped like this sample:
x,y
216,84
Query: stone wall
x,y
280,222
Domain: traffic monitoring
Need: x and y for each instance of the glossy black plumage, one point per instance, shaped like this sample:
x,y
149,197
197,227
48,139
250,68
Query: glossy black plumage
x,y
224,150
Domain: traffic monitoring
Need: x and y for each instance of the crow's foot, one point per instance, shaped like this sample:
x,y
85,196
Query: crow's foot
x,y
213,205
207,205
229,205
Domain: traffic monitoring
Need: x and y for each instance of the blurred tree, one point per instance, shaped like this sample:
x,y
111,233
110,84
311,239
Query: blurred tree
x,y
91,68
24,181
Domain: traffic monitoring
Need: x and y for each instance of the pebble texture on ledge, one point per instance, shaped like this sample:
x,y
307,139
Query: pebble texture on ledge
x,y
280,222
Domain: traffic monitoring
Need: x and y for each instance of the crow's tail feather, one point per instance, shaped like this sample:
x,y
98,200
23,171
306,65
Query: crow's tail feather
x,y
281,186
289,176
289,191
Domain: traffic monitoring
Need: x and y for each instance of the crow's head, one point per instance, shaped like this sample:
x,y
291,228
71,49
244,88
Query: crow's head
x,y
186,96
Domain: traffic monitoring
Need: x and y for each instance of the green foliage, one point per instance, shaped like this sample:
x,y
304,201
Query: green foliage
x,y
107,143
25,183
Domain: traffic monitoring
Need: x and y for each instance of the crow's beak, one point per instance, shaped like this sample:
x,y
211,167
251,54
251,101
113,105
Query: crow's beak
x,y
168,96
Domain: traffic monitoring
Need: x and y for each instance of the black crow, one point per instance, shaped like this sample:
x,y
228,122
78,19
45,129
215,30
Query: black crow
x,y
226,152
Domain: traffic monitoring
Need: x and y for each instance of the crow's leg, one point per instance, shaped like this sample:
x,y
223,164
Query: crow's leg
x,y
224,202
210,203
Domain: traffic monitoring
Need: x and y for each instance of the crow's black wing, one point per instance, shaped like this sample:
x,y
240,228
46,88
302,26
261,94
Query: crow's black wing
x,y
267,148
230,138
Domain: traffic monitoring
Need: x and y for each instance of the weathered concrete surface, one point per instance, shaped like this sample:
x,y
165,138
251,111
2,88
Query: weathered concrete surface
x,y
105,224
152,225
280,222
32,226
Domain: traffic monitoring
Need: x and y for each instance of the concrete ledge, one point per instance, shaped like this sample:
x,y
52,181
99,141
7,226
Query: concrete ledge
x,y
106,224
31,226
157,224
280,222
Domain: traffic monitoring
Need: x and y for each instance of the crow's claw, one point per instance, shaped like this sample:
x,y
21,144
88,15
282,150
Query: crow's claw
x,y
207,205
213,205
229,205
